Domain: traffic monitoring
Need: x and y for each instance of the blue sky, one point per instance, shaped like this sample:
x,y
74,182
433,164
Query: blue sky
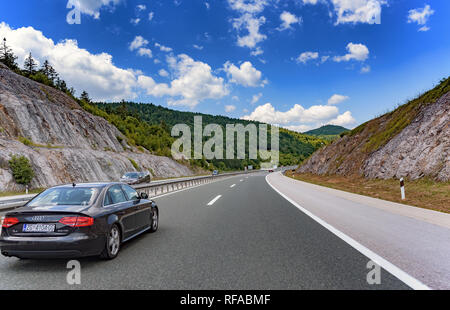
x,y
296,63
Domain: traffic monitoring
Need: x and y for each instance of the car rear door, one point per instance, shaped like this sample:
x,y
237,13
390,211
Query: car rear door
x,y
117,200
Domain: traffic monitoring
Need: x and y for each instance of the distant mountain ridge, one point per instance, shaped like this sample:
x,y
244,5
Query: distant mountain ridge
x,y
294,146
327,130
412,141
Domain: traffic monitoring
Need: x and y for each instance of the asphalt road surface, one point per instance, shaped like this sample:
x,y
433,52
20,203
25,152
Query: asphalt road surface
x,y
237,233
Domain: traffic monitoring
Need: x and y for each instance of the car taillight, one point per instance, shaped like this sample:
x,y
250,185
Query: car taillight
x,y
9,221
77,221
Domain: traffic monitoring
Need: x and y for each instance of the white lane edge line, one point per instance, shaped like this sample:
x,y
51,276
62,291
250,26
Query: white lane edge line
x,y
232,185
214,200
385,264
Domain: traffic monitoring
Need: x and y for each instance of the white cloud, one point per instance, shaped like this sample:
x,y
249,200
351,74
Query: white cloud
x,y
337,99
235,98
256,98
141,7
300,119
345,119
230,108
358,11
300,128
358,52
135,21
163,73
194,82
266,113
420,16
139,44
145,52
252,25
249,22
197,47
306,56
288,19
95,73
248,6
245,75
365,69
92,7
151,15
256,52
310,1
324,59
207,5
163,48
424,29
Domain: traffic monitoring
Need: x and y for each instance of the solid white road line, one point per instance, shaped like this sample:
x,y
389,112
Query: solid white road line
x,y
383,263
214,200
233,185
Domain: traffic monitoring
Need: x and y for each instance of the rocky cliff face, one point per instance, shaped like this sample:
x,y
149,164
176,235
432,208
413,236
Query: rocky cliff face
x,y
421,149
68,143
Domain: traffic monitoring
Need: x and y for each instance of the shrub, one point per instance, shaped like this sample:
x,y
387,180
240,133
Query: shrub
x,y
135,165
21,169
26,141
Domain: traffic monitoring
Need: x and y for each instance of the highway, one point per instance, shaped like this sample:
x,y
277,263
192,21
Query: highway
x,y
236,233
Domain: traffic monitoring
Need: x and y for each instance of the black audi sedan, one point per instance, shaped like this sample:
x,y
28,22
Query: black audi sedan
x,y
78,220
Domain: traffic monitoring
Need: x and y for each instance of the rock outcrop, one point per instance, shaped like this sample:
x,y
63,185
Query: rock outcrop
x,y
68,144
420,149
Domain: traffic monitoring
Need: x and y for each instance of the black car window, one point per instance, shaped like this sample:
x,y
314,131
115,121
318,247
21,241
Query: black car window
x,y
116,195
108,201
131,193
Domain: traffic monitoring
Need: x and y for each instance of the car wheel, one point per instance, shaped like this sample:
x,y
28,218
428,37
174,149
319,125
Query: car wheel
x,y
112,245
154,221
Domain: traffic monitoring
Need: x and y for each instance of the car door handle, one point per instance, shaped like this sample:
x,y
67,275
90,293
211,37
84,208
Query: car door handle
x,y
121,212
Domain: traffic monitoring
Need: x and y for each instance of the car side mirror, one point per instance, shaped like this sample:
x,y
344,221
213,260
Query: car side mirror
x,y
143,196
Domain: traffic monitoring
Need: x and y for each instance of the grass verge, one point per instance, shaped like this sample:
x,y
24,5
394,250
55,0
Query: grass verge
x,y
424,193
34,191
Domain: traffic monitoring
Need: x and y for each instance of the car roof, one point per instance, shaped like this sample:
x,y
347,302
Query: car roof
x,y
94,184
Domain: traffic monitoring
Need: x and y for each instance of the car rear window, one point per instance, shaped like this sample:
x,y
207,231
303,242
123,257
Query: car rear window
x,y
77,196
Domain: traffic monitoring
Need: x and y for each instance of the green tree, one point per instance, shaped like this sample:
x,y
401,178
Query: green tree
x,y
21,169
85,96
7,56
49,71
30,65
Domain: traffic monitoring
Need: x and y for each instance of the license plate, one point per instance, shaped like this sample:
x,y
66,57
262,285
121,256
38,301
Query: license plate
x,y
38,228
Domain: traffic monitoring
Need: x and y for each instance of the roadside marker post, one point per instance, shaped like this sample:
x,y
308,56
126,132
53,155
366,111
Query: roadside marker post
x,y
402,188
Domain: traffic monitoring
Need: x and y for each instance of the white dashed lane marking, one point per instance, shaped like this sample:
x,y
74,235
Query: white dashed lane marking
x,y
214,200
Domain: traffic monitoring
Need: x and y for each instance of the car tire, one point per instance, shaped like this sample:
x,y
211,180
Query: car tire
x,y
154,221
112,246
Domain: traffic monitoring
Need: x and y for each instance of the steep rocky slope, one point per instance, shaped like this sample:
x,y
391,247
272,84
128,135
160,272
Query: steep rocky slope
x,y
65,143
412,141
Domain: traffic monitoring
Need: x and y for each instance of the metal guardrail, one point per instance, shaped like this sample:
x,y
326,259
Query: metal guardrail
x,y
153,189
157,189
